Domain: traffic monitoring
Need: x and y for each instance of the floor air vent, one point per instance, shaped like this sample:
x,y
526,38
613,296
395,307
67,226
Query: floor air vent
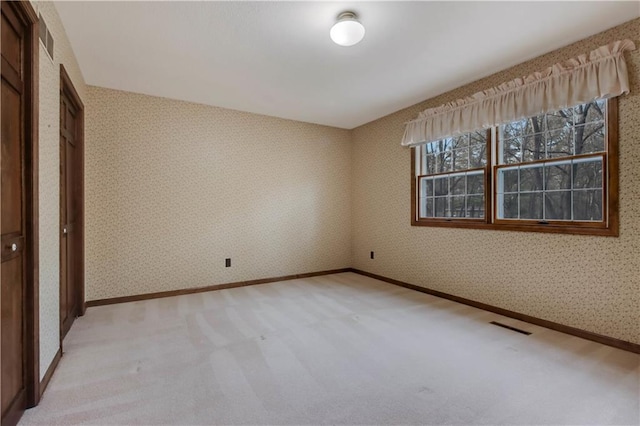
x,y
517,330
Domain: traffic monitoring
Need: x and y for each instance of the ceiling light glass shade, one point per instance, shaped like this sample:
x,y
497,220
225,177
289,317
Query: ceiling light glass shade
x,y
347,31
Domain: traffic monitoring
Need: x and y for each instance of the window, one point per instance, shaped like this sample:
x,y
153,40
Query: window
x,y
556,172
453,177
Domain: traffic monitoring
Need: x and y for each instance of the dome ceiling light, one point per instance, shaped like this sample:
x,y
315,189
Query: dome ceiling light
x,y
348,30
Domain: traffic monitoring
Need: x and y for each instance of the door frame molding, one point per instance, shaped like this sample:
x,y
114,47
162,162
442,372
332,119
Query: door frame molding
x,y
26,12
68,89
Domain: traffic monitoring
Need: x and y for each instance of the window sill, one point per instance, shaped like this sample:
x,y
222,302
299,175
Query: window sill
x,y
611,231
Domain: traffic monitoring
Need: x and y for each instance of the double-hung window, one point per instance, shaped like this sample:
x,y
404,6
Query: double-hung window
x,y
554,172
552,167
453,177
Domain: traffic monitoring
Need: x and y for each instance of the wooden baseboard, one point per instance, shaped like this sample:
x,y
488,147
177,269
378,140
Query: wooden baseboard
x,y
125,299
52,368
605,340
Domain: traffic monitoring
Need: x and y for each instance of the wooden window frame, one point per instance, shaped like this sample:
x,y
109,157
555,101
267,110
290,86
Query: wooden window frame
x,y
609,226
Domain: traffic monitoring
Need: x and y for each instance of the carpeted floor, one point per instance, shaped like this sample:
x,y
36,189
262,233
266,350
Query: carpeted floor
x,y
337,349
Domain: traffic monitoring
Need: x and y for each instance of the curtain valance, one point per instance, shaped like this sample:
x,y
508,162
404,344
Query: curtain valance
x,y
599,74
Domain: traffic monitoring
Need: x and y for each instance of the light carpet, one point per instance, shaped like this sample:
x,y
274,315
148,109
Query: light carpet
x,y
336,349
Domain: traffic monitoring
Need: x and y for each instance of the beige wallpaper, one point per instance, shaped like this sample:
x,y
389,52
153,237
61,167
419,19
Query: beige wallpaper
x,y
173,188
591,283
49,201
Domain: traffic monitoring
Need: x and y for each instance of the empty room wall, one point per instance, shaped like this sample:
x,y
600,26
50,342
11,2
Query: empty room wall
x,y
173,188
586,282
49,184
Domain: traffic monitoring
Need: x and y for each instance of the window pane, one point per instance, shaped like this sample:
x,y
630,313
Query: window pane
x,y
457,207
461,159
513,129
440,206
559,143
475,206
512,150
431,148
426,207
531,178
589,138
430,162
443,145
587,205
477,156
508,180
510,206
558,205
426,187
535,125
531,206
534,148
457,185
460,142
475,183
596,111
447,196
562,119
478,138
587,174
590,112
557,176
444,162
429,204
441,186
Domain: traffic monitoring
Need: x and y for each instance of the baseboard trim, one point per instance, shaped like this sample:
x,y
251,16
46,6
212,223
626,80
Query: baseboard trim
x,y
595,337
171,293
605,340
52,368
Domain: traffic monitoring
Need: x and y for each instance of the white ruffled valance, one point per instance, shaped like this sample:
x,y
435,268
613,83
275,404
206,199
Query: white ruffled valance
x,y
599,74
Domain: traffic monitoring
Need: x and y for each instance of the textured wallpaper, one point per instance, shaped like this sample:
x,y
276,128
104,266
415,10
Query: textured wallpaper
x,y
592,283
173,188
49,184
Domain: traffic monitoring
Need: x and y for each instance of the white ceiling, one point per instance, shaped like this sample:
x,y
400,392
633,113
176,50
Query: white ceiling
x,y
276,58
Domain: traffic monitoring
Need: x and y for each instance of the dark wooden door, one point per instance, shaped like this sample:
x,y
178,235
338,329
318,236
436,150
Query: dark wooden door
x,y
70,208
13,193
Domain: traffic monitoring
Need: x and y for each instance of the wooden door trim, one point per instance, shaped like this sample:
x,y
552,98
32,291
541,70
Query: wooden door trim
x,y
66,86
27,13
69,91
33,234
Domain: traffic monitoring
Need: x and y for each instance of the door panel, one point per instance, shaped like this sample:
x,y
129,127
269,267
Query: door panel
x,y
12,331
12,33
11,160
72,219
64,311
13,223
70,205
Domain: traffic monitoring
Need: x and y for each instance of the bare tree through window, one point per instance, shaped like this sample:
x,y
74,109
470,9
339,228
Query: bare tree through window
x,y
557,165
553,172
452,178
